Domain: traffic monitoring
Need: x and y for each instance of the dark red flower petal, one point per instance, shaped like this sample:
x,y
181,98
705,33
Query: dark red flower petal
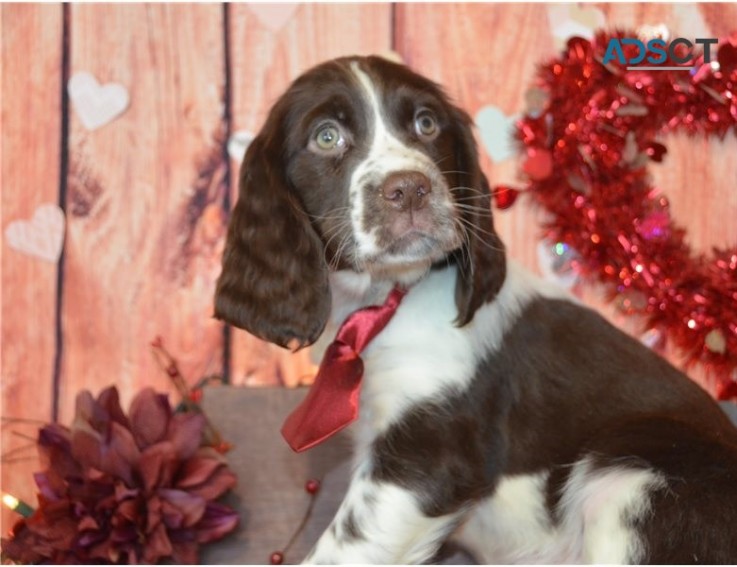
x,y
222,480
56,524
157,465
90,539
157,545
88,523
122,492
101,550
185,432
217,521
86,444
120,454
23,547
181,508
153,510
149,416
50,484
128,510
109,401
197,470
86,409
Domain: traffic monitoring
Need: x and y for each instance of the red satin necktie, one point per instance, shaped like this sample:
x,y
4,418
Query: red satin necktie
x,y
332,402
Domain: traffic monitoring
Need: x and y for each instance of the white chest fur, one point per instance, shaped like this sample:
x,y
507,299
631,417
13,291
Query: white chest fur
x,y
419,354
422,355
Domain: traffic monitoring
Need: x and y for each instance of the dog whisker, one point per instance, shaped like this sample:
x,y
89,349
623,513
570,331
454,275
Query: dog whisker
x,y
342,245
471,208
479,233
337,213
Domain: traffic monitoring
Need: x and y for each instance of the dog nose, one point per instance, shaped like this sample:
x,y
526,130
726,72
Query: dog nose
x,y
406,190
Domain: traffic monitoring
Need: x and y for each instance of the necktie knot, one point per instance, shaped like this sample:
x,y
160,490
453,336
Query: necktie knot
x,y
339,351
332,402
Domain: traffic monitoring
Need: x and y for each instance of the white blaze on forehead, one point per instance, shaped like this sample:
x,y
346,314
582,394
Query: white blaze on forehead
x,y
387,154
365,242
384,144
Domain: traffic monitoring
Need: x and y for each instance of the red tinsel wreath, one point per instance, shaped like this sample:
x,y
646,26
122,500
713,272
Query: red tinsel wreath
x,y
586,146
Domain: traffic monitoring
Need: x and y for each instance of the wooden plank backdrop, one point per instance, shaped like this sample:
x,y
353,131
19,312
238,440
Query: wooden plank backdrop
x,y
144,233
31,137
145,195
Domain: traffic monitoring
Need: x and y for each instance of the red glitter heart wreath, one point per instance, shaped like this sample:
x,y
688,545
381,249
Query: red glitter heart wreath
x,y
586,146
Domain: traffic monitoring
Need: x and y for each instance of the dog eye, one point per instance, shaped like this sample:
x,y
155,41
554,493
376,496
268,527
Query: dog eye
x,y
426,124
328,138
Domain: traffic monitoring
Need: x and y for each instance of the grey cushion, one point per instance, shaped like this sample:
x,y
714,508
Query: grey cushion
x,y
270,495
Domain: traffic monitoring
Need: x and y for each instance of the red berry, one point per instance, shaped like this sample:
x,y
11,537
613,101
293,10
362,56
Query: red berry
x,y
195,396
277,558
312,486
504,196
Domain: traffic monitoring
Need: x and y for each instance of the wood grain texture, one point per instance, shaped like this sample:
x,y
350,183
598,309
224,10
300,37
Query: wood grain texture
x,y
144,199
265,59
689,20
31,125
489,54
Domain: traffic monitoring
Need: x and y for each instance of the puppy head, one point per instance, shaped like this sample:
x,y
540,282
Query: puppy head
x,y
361,165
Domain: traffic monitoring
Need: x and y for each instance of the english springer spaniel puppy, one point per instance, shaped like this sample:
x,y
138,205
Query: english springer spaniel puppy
x,y
495,408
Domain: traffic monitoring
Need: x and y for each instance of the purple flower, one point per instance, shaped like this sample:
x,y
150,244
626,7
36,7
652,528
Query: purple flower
x,y
117,489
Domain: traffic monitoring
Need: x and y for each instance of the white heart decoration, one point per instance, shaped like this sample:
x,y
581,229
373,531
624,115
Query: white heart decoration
x,y
42,236
95,104
238,144
273,16
569,20
495,129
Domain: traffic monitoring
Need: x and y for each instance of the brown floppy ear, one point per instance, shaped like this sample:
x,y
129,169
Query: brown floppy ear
x,y
481,260
274,282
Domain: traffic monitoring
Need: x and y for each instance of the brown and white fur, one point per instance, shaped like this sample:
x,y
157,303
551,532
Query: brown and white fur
x,y
494,407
